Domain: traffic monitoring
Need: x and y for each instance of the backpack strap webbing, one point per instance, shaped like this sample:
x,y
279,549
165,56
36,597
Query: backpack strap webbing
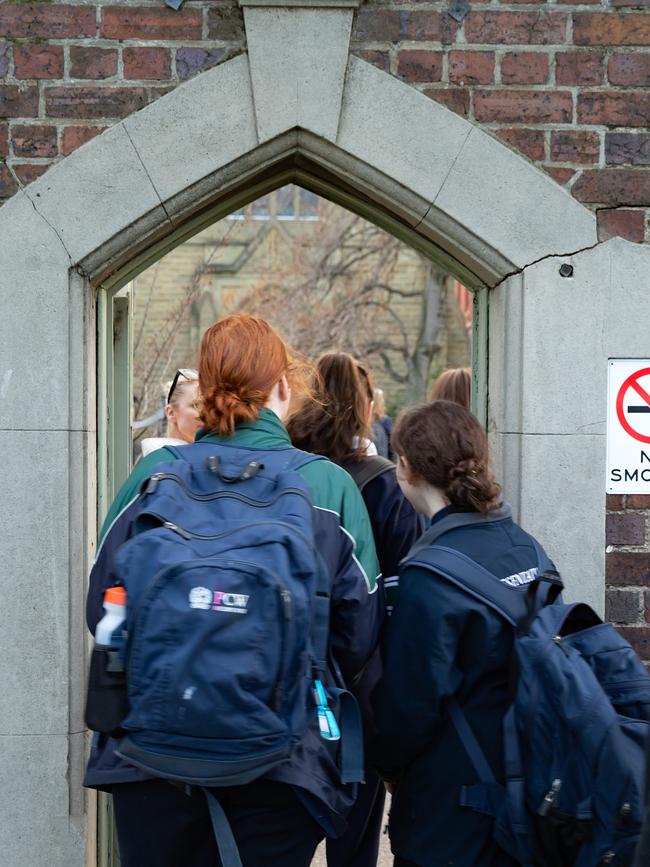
x,y
228,851
367,469
474,579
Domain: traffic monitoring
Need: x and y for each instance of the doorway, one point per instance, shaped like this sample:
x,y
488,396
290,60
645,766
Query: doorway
x,y
325,276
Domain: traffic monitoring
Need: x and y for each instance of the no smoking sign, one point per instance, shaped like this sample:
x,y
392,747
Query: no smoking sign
x,y
628,427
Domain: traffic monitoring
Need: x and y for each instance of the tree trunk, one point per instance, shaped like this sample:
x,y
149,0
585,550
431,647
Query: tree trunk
x,y
426,345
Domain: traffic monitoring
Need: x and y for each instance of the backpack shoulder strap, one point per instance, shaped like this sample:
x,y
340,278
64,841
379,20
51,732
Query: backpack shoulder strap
x,y
369,468
474,579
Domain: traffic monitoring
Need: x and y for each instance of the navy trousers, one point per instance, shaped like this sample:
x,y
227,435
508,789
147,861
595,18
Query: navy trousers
x,y
359,845
160,825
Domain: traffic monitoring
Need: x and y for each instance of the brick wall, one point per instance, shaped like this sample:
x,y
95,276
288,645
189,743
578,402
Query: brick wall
x,y
564,84
70,69
567,85
628,568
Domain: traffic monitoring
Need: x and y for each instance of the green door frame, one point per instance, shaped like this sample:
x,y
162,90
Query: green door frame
x,y
114,459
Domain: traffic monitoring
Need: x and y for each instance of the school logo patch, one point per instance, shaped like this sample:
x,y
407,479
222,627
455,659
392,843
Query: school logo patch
x,y
216,600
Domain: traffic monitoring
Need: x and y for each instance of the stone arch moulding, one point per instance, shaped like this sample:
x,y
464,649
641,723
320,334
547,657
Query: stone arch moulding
x,y
297,106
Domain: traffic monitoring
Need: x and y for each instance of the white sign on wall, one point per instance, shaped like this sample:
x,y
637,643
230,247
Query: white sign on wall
x,y
628,426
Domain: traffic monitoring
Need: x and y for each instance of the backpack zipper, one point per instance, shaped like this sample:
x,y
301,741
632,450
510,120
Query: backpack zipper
x,y
159,477
549,798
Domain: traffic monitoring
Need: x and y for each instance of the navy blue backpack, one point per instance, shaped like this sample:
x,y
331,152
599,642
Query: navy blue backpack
x,y
574,735
227,623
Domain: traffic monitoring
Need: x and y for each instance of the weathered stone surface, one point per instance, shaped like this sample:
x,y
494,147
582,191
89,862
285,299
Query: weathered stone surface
x,y
214,122
552,464
106,179
298,59
34,277
41,801
484,174
436,135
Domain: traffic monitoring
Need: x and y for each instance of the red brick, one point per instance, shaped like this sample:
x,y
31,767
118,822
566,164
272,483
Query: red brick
x,y
527,141
623,606
625,528
627,3
420,65
614,187
92,63
18,101
150,22
638,637
471,67
34,140
226,22
27,172
380,59
94,102
623,568
377,25
646,606
4,140
49,20
629,69
8,185
614,502
627,148
638,501
524,67
73,137
523,106
623,223
617,108
575,146
147,63
38,61
454,98
611,28
516,28
560,175
427,26
579,68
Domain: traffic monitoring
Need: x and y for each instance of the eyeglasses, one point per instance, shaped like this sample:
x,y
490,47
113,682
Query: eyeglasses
x,y
186,373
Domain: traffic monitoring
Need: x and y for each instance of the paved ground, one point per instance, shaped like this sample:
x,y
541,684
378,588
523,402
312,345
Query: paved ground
x,y
385,857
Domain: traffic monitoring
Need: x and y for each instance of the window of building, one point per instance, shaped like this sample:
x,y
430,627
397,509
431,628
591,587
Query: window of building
x,y
287,203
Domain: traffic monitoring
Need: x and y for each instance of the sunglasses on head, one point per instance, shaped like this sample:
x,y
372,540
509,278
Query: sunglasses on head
x,y
185,373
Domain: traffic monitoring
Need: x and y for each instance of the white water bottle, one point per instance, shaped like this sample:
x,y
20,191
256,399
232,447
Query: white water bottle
x,y
115,608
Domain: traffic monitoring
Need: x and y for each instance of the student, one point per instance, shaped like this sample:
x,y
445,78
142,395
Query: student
x,y
444,643
454,384
246,377
335,422
382,424
180,410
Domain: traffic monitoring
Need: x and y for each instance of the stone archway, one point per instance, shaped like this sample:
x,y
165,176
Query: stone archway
x,y
299,108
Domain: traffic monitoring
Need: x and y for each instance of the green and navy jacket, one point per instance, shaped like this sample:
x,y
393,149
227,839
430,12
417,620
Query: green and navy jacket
x,y
343,537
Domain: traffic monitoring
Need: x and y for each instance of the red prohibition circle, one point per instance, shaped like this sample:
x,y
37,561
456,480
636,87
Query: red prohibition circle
x,y
630,382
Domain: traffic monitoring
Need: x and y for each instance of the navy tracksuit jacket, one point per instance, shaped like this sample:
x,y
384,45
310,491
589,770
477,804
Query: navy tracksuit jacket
x,y
442,642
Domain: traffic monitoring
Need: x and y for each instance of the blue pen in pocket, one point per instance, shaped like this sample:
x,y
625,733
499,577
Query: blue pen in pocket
x,y
327,724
